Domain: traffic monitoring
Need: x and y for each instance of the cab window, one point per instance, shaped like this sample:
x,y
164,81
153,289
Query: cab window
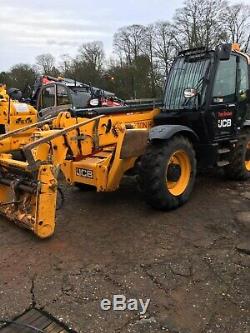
x,y
62,96
243,79
47,98
224,90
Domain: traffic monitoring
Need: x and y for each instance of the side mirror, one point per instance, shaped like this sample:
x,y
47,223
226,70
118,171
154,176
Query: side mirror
x,y
223,51
190,92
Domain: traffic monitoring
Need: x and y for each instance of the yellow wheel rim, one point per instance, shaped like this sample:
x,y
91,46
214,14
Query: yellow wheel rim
x,y
178,173
247,161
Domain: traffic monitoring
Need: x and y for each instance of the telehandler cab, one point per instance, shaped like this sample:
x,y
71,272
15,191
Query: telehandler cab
x,y
204,121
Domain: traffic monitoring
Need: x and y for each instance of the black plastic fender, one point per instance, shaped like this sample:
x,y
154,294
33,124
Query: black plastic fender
x,y
166,132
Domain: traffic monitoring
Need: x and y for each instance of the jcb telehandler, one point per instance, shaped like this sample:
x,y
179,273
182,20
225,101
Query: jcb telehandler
x,y
204,121
13,116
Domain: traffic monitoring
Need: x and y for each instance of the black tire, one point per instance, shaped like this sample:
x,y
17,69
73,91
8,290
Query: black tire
x,y
237,169
154,171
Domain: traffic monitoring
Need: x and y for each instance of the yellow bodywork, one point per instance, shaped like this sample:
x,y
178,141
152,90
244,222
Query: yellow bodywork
x,y
30,204
15,115
94,151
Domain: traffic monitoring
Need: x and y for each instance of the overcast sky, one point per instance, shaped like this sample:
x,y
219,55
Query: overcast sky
x,y
31,27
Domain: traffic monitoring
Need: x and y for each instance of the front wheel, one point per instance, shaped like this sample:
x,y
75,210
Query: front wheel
x,y
167,173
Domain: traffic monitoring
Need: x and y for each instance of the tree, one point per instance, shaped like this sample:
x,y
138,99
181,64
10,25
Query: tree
x,y
129,41
144,79
165,45
237,23
121,78
200,23
46,64
21,76
129,45
149,53
92,54
88,65
5,78
65,65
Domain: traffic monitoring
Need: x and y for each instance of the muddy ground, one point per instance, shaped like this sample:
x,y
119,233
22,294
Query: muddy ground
x,y
185,261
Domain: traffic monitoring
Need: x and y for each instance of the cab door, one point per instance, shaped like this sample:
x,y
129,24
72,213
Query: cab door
x,y
53,99
63,98
243,86
223,106
46,101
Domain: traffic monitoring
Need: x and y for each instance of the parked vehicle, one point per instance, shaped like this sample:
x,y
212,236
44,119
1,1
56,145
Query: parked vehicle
x,y
204,122
54,95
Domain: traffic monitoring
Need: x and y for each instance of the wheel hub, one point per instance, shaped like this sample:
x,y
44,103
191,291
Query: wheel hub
x,y
174,172
178,173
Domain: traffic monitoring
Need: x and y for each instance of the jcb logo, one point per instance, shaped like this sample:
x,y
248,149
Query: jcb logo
x,y
224,123
86,173
24,121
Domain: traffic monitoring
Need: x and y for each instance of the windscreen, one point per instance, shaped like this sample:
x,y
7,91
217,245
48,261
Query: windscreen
x,y
185,73
80,98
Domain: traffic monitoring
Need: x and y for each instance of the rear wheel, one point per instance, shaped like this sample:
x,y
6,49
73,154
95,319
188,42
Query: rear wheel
x,y
167,173
239,168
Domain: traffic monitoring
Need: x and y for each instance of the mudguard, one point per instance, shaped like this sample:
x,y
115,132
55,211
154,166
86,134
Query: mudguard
x,y
165,132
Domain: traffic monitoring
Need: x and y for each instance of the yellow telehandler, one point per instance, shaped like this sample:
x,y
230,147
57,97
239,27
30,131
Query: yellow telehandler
x,y
15,115
204,120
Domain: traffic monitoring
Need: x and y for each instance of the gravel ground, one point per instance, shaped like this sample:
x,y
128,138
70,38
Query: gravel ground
x,y
193,263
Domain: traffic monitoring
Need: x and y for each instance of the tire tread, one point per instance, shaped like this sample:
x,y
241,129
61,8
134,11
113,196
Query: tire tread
x,y
150,175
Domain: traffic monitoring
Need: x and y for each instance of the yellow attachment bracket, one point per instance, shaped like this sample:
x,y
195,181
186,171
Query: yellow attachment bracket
x,y
28,190
28,202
